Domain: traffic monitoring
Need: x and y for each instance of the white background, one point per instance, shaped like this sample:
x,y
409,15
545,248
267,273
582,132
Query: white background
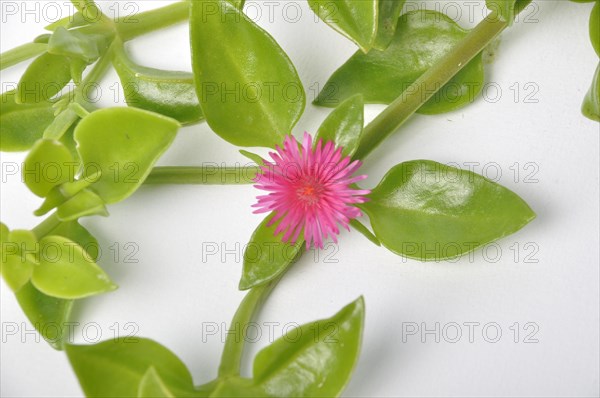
x,y
171,294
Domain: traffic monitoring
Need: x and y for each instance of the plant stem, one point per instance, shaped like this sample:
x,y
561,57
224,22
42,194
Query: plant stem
x,y
20,54
149,21
428,84
210,175
234,346
46,226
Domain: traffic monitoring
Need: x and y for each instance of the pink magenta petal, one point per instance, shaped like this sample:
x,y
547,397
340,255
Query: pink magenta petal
x,y
309,190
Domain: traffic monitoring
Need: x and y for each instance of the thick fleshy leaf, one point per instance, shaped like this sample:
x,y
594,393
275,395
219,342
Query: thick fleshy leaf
x,y
314,360
429,211
595,27
19,257
389,11
115,368
249,91
67,271
74,231
236,387
267,256
344,125
169,93
78,45
591,103
123,144
21,125
152,386
85,203
357,20
3,233
62,193
45,77
16,271
48,164
507,9
422,38
49,315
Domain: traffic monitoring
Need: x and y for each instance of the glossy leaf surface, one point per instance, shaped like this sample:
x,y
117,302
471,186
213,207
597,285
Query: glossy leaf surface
x,y
169,93
429,211
21,125
115,368
314,360
249,91
266,256
344,125
123,144
66,271
357,20
422,38
45,77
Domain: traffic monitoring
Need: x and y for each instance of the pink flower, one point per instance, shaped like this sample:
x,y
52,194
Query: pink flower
x,y
310,189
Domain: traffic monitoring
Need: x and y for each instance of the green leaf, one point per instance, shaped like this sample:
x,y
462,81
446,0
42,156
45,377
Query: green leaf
x,y
314,360
3,233
253,156
591,103
49,164
344,125
234,386
595,27
21,53
66,271
123,144
507,9
72,230
366,232
422,38
115,368
62,193
249,90
16,271
169,93
49,315
21,125
61,124
19,257
85,203
45,77
152,386
389,11
357,20
429,211
266,256
77,45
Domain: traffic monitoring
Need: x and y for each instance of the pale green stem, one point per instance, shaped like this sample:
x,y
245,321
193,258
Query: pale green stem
x,y
234,344
46,226
428,84
20,54
149,21
210,175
